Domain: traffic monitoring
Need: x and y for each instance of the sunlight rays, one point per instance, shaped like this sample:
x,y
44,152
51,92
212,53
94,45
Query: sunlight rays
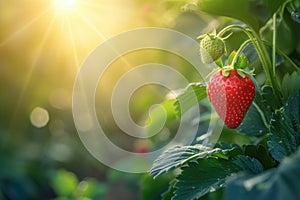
x,y
74,48
94,28
126,64
30,71
23,28
64,29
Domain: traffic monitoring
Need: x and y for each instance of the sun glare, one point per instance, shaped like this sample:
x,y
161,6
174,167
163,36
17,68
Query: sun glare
x,y
64,6
61,33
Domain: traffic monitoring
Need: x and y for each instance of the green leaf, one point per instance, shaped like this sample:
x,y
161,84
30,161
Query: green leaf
x,y
290,84
242,62
253,13
295,12
281,141
231,8
153,188
257,119
160,116
231,150
216,195
180,155
287,36
285,129
219,63
279,183
249,164
64,183
272,5
269,97
202,177
169,194
261,154
190,96
230,58
171,109
251,54
292,110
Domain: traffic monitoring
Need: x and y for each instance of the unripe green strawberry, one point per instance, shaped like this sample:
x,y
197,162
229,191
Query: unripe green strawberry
x,y
212,47
231,96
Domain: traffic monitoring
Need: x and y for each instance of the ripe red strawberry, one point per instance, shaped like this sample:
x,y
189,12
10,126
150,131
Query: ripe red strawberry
x,y
231,96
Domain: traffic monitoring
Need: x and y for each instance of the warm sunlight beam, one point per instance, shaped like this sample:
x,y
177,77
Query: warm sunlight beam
x,y
23,28
31,69
74,48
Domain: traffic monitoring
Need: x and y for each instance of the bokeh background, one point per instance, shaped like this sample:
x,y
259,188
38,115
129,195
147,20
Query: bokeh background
x,y
42,46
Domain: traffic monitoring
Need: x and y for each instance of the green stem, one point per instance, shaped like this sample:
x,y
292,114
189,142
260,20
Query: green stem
x,y
285,56
261,115
262,54
289,60
274,43
271,76
255,42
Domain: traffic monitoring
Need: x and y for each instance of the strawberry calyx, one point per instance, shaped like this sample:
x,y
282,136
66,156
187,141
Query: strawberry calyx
x,y
243,73
239,63
227,69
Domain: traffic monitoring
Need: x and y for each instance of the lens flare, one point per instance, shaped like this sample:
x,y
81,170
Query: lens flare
x,y
39,117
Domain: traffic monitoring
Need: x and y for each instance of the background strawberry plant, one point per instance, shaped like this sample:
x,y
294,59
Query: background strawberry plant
x,y
42,45
260,158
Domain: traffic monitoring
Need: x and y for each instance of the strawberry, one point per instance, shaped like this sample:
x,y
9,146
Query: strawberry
x,y
231,96
212,47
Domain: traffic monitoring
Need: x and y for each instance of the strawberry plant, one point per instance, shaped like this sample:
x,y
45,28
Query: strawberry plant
x,y
257,155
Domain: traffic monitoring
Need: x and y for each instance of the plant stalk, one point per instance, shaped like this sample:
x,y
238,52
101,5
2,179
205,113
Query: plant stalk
x,y
274,43
262,54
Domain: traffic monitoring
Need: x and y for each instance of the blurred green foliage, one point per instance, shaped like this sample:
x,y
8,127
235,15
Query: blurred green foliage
x,y
40,54
41,49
